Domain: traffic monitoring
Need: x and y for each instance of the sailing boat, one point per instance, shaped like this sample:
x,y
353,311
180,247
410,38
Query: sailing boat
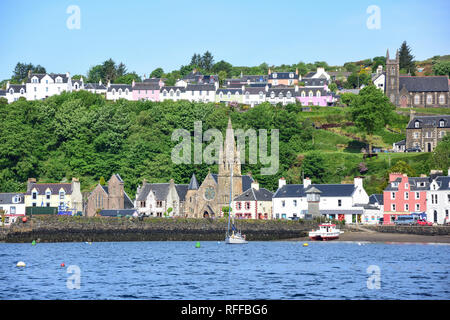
x,y
235,237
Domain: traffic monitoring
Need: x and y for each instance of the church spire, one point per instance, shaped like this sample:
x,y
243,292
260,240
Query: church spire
x,y
193,185
387,54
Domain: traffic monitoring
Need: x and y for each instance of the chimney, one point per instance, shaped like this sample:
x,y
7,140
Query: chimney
x,y
243,89
68,74
29,73
269,72
296,71
109,84
358,182
100,82
281,182
255,185
411,114
133,83
30,182
296,88
138,190
306,183
7,85
76,185
448,172
216,85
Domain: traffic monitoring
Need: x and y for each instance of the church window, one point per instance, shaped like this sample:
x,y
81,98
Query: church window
x,y
416,99
392,71
392,98
441,99
429,99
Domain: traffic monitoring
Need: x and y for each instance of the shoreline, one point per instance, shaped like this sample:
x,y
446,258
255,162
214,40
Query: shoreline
x,y
384,237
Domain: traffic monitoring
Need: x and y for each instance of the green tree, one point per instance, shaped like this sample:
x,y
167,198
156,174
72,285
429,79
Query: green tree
x,y
222,66
21,70
207,61
128,78
102,181
371,111
95,74
222,76
440,158
406,59
333,87
377,61
314,167
157,73
109,71
441,68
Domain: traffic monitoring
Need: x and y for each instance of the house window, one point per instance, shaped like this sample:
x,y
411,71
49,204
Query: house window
x,y
48,194
34,195
441,99
406,207
229,95
416,135
417,195
311,94
406,195
178,93
34,204
272,94
61,195
247,205
13,210
238,205
283,203
429,99
339,203
120,92
393,195
406,185
295,203
303,94
417,207
417,124
318,93
159,204
288,95
393,207
441,123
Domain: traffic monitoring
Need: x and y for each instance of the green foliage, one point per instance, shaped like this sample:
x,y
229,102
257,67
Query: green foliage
x,y
128,78
440,158
21,70
406,59
157,73
441,68
333,87
314,167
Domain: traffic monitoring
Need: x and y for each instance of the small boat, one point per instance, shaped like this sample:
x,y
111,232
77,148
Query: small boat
x,y
235,238
326,232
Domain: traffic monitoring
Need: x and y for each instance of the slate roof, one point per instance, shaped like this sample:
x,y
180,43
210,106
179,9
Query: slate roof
x,y
54,187
315,82
51,75
413,183
443,182
16,88
328,190
401,142
146,86
429,122
2,92
200,87
159,189
7,198
306,90
127,203
154,80
231,90
424,84
283,75
182,89
255,90
193,184
282,91
374,198
181,190
94,86
120,86
246,182
255,195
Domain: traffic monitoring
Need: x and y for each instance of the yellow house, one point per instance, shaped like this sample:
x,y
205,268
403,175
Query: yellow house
x,y
64,196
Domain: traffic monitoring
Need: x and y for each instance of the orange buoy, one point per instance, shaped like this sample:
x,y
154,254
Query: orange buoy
x,y
63,265
24,219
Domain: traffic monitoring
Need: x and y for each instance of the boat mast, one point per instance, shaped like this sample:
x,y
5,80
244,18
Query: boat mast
x,y
231,193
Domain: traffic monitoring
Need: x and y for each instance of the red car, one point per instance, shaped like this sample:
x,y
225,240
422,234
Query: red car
x,y
424,223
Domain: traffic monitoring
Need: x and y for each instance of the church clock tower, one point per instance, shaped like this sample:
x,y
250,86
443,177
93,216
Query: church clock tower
x,y
392,78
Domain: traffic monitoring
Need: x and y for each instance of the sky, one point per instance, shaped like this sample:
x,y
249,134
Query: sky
x,y
145,35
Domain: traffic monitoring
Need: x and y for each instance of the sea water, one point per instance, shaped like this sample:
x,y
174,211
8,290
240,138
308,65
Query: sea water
x,y
257,270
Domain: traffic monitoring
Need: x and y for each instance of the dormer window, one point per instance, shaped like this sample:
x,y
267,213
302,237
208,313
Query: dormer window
x,y
113,91
62,194
303,94
318,93
17,199
280,95
21,91
311,94
120,92
291,75
11,91
261,95
275,75
272,94
417,124
441,123
288,95
126,91
178,93
48,193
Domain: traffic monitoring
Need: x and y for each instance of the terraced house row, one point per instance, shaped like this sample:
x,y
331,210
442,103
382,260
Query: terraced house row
x,y
276,87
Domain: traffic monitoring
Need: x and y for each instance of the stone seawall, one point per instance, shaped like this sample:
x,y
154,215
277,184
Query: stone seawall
x,y
79,229
418,230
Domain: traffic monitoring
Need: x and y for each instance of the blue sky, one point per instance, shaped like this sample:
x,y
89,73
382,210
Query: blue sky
x,y
155,33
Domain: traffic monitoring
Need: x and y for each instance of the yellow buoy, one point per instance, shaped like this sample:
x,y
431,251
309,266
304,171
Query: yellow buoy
x,y
305,244
20,264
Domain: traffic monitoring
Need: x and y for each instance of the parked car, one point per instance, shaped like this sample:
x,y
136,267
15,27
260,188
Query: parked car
x,y
422,222
406,220
413,149
381,220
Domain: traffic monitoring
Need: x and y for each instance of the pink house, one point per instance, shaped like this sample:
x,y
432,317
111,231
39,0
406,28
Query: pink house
x,y
146,91
315,96
404,196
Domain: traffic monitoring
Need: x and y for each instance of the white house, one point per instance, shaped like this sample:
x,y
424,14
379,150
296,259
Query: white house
x,y
119,91
337,201
201,92
13,206
15,91
438,200
96,87
379,78
43,85
373,211
172,93
155,199
254,95
282,95
254,203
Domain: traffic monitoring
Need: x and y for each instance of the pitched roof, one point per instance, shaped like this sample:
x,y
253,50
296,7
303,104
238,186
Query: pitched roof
x,y
146,86
181,190
283,75
246,182
255,195
429,122
200,87
16,88
54,187
159,189
193,184
7,197
424,84
443,182
174,88
94,86
117,86
64,77
376,198
328,190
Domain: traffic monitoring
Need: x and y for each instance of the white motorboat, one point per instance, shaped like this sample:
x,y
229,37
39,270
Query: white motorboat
x,y
326,232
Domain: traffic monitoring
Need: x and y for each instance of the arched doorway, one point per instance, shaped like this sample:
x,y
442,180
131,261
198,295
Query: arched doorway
x,y
403,102
429,147
205,214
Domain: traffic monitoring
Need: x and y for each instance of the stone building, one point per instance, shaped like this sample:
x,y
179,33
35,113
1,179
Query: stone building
x,y
408,91
108,197
425,132
208,199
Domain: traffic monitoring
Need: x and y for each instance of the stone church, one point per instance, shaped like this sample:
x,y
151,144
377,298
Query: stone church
x,y
208,199
408,91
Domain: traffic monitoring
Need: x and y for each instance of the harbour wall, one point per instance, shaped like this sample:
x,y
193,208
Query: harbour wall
x,y
94,229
